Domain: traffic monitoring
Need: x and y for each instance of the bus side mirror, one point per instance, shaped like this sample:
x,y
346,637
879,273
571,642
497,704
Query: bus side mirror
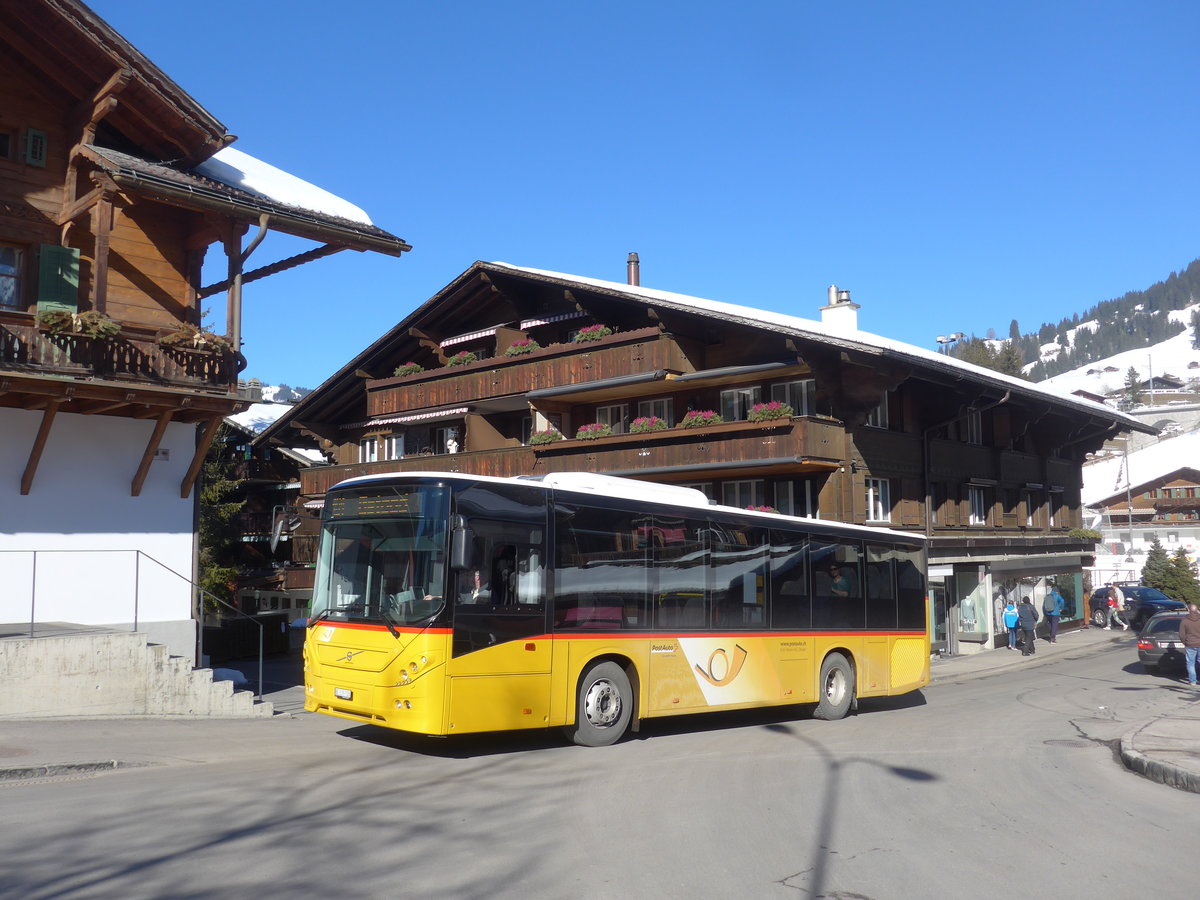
x,y
462,540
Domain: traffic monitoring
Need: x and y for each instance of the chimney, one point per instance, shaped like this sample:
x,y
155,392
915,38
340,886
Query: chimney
x,y
632,270
841,314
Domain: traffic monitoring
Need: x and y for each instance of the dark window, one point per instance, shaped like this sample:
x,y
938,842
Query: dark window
x,y
600,568
837,586
791,603
678,548
910,590
501,596
881,588
740,556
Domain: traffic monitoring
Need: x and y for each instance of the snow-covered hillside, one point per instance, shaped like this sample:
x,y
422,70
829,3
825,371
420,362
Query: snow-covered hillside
x,y
1175,356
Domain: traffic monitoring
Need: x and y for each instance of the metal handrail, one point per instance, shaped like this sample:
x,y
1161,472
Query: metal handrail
x,y
138,554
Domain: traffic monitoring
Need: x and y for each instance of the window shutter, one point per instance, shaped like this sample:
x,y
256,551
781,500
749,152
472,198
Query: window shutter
x,y
58,279
36,144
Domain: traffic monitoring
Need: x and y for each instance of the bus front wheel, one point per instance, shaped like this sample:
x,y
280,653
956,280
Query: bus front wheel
x,y
603,706
836,688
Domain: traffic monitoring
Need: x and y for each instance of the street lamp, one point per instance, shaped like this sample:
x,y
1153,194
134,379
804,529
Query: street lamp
x,y
949,340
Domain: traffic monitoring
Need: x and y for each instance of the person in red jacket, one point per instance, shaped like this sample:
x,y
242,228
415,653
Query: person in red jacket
x,y
1189,633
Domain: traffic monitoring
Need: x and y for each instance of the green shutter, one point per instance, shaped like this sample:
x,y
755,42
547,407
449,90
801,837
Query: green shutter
x,y
58,279
36,144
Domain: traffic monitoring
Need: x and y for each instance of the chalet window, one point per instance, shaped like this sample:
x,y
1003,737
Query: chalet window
x,y
797,498
937,496
8,144
368,449
977,498
393,446
879,500
973,427
744,493
799,395
1148,537
613,416
737,403
10,277
878,417
1031,508
36,146
705,487
442,438
1172,537
663,407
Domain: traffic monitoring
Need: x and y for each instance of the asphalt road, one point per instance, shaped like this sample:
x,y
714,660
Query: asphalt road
x,y
1001,786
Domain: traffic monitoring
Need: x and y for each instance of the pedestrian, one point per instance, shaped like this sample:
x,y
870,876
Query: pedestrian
x,y
1010,622
1116,603
1027,618
1189,634
1052,607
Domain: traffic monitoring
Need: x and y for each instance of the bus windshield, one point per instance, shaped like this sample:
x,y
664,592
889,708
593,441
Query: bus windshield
x,y
386,570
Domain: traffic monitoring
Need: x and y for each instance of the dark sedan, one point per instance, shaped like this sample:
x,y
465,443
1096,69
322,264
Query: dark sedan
x,y
1141,603
1159,647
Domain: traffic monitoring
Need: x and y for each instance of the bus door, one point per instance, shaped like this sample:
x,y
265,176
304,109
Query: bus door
x,y
500,664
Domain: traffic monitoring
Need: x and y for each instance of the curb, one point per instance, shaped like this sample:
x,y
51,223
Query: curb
x,y
27,773
1153,769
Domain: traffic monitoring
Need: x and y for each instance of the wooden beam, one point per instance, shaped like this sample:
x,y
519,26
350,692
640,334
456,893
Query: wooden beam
x,y
102,222
79,207
39,444
160,428
274,268
206,439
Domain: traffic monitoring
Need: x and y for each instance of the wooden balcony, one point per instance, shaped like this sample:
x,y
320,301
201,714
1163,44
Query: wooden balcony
x,y
624,353
134,356
732,449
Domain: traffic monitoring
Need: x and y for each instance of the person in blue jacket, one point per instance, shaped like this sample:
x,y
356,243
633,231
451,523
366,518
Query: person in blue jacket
x,y
1052,607
1010,622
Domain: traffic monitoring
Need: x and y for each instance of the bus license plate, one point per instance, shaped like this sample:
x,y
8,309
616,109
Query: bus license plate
x,y
343,694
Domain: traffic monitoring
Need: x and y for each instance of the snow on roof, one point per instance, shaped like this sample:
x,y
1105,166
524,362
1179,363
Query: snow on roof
x,y
825,332
1105,478
241,170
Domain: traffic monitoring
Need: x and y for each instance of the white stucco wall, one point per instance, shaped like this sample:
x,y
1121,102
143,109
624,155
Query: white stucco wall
x,y
84,525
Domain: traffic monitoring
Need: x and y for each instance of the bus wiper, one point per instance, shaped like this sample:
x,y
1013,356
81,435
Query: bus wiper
x,y
390,623
323,614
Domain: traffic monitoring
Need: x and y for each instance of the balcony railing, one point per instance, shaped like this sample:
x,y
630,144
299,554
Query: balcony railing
x,y
785,444
133,355
505,376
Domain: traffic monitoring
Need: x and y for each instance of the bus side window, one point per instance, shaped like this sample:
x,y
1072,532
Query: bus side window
x,y
881,589
739,576
837,586
790,601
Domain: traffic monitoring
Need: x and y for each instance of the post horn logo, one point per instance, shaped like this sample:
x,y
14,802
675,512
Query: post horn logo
x,y
727,670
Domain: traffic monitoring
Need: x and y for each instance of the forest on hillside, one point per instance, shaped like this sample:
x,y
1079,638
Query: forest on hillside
x,y
1138,319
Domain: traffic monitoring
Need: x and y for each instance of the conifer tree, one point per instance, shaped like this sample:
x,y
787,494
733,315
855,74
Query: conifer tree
x,y
220,505
1184,584
1156,571
1014,331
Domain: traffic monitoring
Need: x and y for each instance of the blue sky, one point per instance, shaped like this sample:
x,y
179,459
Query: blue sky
x,y
954,165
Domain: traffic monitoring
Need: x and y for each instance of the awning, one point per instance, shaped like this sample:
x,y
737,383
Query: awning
x,y
472,335
600,384
546,320
412,417
314,504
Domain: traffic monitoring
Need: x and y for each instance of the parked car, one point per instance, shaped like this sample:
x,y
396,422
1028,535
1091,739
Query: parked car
x,y
1141,603
1159,647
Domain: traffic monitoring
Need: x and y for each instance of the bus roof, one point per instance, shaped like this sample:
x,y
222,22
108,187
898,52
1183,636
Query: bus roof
x,y
641,491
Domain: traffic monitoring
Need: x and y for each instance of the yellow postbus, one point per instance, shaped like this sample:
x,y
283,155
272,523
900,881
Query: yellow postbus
x,y
449,604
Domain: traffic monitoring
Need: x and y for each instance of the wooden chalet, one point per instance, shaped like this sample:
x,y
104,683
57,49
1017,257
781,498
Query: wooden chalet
x,y
114,185
485,375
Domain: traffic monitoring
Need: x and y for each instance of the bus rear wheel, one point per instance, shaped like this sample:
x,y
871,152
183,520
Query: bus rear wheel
x,y
836,688
603,706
